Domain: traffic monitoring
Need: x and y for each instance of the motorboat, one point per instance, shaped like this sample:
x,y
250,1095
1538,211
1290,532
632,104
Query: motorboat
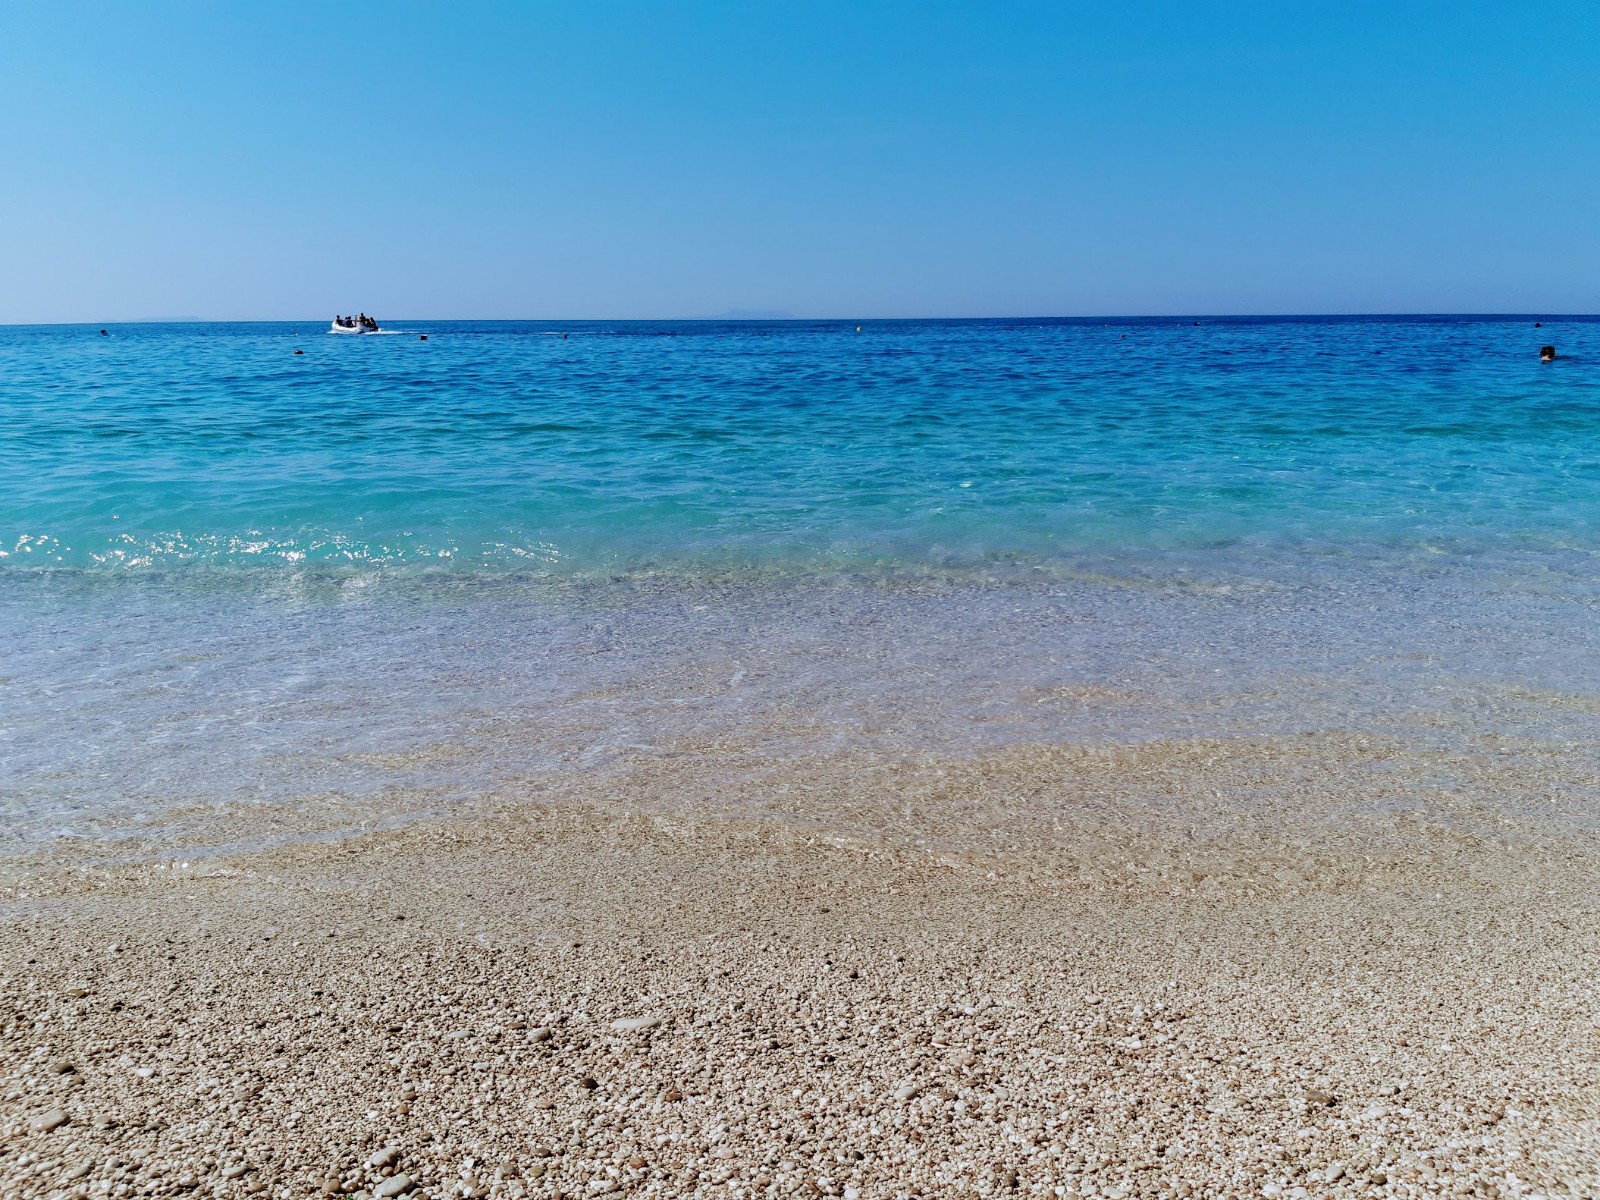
x,y
361,324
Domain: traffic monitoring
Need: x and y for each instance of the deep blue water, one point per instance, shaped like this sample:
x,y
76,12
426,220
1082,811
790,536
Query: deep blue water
x,y
401,568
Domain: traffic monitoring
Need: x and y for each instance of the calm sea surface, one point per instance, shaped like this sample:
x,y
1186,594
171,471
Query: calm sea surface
x,y
233,574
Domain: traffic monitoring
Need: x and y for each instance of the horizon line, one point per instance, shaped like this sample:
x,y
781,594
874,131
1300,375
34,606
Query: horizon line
x,y
794,320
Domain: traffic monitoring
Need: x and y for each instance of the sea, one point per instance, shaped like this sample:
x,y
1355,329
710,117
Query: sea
x,y
261,568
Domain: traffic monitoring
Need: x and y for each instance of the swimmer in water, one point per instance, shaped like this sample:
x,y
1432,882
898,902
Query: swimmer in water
x,y
1547,354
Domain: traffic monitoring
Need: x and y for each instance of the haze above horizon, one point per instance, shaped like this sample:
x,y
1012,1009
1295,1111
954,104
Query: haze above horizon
x,y
882,160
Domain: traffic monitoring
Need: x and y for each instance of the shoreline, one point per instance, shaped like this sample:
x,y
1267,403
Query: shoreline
x,y
1153,972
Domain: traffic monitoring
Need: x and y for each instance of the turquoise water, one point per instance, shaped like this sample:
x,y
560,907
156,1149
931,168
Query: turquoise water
x,y
230,573
513,448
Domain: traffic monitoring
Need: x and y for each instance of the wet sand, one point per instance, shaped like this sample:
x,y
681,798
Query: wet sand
x,y
1320,966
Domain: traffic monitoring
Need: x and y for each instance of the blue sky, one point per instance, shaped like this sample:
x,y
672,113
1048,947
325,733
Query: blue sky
x,y
611,159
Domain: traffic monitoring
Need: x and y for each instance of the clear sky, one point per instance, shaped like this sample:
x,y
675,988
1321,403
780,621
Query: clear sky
x,y
848,159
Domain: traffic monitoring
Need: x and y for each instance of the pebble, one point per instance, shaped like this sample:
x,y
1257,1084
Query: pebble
x,y
395,1185
384,1157
46,1121
635,1024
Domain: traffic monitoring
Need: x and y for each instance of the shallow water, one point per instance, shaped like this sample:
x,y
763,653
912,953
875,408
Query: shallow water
x,y
233,574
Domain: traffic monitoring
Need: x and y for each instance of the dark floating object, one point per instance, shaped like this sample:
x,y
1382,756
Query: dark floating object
x,y
422,337
299,351
1538,324
103,333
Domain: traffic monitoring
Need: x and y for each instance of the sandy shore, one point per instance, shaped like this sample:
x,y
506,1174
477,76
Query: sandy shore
x,y
1297,968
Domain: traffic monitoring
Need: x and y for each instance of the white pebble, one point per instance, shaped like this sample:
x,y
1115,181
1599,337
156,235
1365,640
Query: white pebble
x,y
46,1121
635,1024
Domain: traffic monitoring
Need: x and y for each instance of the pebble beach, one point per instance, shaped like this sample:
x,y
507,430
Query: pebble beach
x,y
913,979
